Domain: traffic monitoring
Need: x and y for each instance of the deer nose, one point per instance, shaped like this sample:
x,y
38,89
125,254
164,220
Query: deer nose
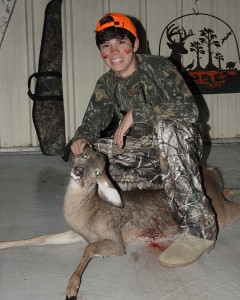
x,y
78,171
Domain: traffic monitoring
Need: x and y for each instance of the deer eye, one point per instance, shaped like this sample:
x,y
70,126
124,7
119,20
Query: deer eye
x,y
97,173
84,156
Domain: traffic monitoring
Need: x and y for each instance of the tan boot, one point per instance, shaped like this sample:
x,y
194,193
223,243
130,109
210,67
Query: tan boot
x,y
185,250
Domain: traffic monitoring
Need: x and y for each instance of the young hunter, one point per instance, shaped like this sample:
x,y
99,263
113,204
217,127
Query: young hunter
x,y
156,142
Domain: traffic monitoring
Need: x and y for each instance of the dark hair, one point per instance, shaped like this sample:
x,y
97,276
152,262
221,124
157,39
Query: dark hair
x,y
112,33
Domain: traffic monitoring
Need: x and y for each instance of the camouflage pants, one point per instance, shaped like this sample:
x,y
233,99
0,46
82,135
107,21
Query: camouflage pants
x,y
136,166
168,158
180,148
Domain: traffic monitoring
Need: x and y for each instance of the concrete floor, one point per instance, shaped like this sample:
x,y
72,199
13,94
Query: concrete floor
x,y
32,188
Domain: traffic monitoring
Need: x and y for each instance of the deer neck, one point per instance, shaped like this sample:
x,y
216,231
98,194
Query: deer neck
x,y
77,201
77,195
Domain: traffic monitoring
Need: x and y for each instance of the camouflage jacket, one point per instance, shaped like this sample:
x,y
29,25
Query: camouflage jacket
x,y
154,90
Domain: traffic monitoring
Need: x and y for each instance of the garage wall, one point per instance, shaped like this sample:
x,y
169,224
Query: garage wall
x,y
82,64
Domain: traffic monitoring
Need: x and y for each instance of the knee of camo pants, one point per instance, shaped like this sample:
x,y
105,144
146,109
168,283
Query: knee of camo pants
x,y
168,129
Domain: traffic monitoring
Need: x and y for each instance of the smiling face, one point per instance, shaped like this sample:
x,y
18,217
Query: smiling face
x,y
119,55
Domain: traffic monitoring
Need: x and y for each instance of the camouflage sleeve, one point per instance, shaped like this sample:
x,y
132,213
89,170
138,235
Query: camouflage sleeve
x,y
98,114
167,93
146,114
179,101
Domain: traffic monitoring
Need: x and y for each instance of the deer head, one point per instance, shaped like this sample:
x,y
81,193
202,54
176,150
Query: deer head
x,y
177,45
89,172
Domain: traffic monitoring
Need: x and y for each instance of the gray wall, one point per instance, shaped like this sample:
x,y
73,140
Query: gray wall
x,y
82,64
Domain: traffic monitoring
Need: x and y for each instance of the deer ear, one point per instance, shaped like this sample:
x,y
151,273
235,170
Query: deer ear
x,y
170,45
108,192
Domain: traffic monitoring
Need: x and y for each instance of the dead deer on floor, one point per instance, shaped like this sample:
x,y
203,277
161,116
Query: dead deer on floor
x,y
107,220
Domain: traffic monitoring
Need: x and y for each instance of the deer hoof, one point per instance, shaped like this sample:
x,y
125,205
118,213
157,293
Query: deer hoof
x,y
73,287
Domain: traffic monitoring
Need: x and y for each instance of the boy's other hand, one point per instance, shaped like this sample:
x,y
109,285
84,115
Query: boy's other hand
x,y
123,128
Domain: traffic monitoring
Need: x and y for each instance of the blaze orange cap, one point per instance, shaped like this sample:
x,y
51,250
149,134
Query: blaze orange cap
x,y
119,20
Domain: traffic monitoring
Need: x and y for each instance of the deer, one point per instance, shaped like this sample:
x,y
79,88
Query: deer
x,y
177,45
107,218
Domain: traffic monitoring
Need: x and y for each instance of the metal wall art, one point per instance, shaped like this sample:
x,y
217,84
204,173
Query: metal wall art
x,y
213,66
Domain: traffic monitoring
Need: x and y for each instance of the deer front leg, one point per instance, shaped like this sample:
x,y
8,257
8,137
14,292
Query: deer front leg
x,y
100,248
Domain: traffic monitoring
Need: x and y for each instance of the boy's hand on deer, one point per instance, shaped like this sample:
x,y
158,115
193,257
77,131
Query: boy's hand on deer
x,y
78,145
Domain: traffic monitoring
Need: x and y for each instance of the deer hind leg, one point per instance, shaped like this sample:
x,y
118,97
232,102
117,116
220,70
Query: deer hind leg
x,y
63,238
99,248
